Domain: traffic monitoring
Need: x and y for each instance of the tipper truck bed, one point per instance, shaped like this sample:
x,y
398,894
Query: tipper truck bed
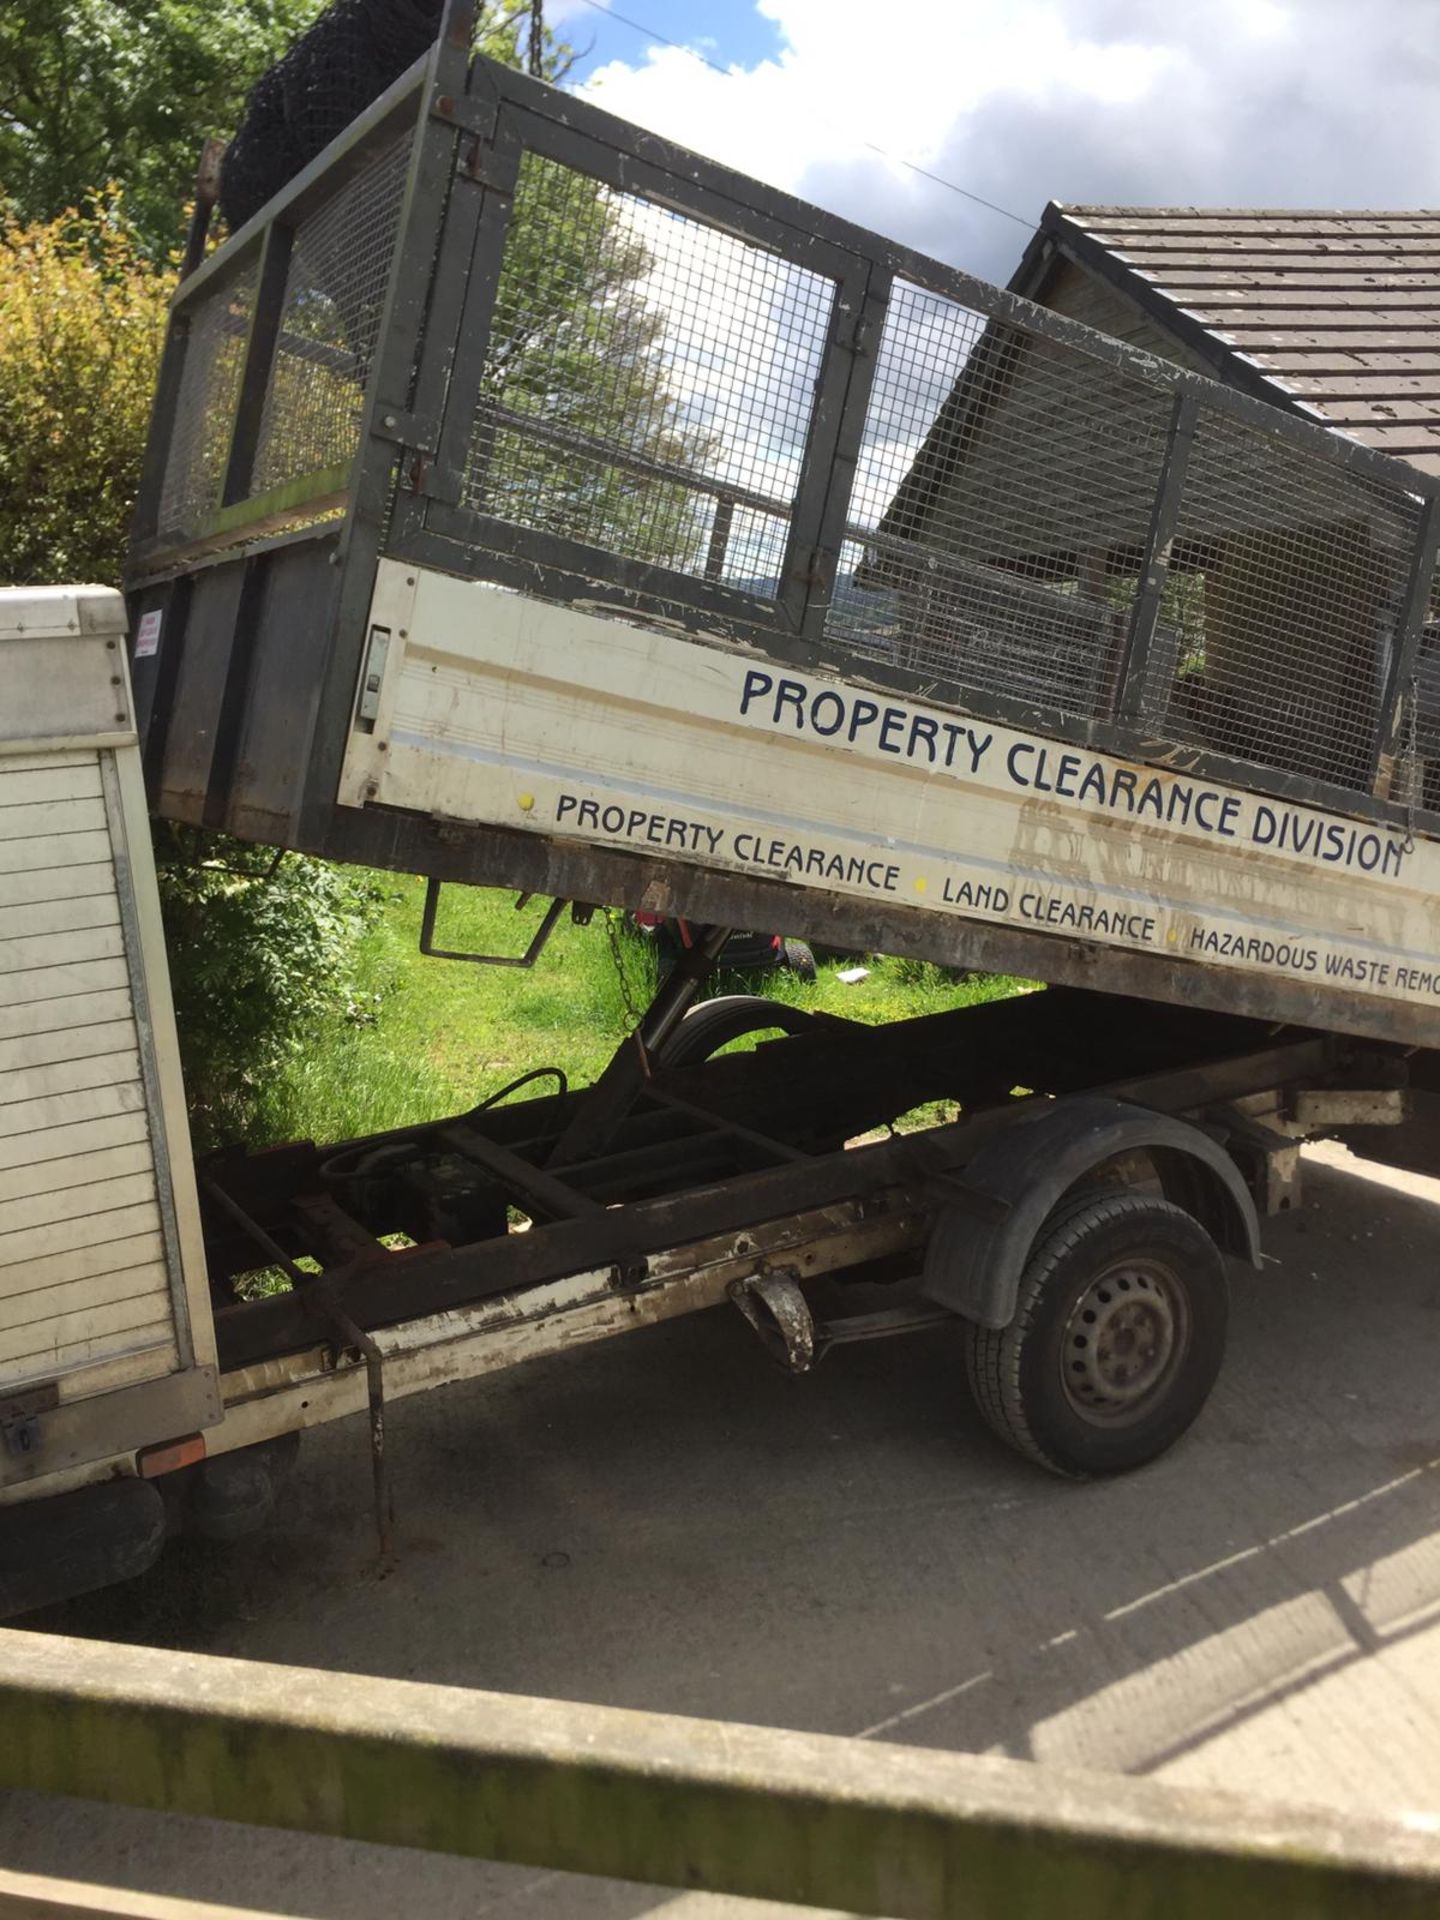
x,y
532,503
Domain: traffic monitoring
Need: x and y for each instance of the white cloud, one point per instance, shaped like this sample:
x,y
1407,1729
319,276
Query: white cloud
x,y
1258,102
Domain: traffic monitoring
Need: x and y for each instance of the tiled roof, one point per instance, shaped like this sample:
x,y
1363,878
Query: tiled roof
x,y
1337,313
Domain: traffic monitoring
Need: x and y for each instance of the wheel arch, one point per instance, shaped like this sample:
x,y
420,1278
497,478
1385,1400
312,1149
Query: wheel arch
x,y
973,1264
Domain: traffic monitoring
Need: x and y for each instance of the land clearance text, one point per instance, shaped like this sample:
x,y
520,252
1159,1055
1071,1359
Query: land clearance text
x,y
968,752
1052,912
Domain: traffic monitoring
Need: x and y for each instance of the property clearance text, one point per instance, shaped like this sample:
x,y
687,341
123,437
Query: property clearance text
x,y
966,750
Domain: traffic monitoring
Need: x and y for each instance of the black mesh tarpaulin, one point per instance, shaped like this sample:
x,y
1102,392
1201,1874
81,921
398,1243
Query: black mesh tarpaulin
x,y
334,70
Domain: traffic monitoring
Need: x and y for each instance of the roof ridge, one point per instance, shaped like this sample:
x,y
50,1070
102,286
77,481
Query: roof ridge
x,y
1251,325
1070,208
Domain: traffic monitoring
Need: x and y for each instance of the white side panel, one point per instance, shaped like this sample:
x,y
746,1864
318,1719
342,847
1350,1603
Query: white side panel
x,y
559,721
107,1341
65,684
83,1275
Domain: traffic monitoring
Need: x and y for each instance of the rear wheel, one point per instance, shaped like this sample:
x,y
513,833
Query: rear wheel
x,y
1116,1341
713,1024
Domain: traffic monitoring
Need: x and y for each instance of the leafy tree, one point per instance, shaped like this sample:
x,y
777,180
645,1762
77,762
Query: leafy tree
x,y
94,91
577,351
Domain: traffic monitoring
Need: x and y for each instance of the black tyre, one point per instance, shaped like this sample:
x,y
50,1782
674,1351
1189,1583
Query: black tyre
x,y
713,1024
1118,1336
801,961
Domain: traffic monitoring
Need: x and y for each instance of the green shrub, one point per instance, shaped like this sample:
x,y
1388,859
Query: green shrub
x,y
262,953
255,962
82,315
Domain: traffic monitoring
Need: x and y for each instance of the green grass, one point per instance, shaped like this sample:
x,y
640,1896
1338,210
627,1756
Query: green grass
x,y
430,1037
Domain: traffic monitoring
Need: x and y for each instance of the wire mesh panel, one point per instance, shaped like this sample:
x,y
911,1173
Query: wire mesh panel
x,y
218,327
1285,589
650,382
1000,509
333,305
1418,771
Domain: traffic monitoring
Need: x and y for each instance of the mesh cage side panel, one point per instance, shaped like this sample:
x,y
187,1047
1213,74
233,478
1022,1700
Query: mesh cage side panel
x,y
650,382
334,302
1000,509
1415,777
219,326
1285,587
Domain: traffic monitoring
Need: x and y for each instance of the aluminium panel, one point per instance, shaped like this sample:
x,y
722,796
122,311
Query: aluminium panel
x,y
102,1279
503,711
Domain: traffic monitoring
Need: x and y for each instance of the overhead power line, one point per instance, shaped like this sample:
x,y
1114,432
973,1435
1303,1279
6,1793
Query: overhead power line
x,y
896,159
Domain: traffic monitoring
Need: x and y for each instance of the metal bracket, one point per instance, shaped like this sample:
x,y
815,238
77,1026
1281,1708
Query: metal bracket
x,y
777,1310
20,1417
412,431
857,334
322,1298
885,1324
465,111
325,1298
1271,1159
478,165
1317,1108
444,485
372,678
527,959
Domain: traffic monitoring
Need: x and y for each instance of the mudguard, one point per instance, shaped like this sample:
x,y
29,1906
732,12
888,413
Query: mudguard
x,y
976,1256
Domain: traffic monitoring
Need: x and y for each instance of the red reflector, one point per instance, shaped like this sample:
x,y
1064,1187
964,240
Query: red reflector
x,y
170,1455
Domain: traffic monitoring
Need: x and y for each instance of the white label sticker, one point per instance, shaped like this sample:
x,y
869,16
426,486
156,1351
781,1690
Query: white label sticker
x,y
147,637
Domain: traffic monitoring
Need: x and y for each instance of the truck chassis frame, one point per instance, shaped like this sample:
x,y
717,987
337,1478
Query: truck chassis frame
x,y
664,1189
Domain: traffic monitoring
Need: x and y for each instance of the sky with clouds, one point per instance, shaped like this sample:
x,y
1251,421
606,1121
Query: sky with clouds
x,y
1226,102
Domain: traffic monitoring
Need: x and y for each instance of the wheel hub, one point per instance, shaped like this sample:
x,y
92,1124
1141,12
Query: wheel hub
x,y
1120,1340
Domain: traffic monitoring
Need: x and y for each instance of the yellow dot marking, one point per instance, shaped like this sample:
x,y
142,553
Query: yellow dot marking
x,y
922,885
1171,937
527,801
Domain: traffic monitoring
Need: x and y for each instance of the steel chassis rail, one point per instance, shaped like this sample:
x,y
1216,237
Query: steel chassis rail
x,y
701,1185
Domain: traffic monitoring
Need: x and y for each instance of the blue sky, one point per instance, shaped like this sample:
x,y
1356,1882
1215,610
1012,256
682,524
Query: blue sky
x,y
1225,103
731,32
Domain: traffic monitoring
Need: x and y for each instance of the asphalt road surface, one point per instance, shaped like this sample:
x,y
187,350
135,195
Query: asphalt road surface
x,y
666,1521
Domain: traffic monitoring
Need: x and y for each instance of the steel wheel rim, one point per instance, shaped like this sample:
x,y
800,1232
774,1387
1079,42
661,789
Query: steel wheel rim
x,y
1123,1341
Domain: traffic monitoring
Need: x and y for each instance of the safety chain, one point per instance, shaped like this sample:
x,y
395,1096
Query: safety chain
x,y
632,1011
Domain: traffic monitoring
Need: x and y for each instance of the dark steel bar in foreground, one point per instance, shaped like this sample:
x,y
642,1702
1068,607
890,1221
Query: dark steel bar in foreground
x,y
809,1818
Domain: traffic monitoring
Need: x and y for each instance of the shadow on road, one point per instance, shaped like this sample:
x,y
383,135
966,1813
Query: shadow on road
x,y
667,1523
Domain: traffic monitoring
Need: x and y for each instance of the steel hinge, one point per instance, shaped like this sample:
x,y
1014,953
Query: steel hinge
x,y
444,485
463,110
859,335
482,166
820,568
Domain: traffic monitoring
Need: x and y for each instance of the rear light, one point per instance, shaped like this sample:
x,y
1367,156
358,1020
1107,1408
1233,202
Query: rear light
x,y
170,1455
